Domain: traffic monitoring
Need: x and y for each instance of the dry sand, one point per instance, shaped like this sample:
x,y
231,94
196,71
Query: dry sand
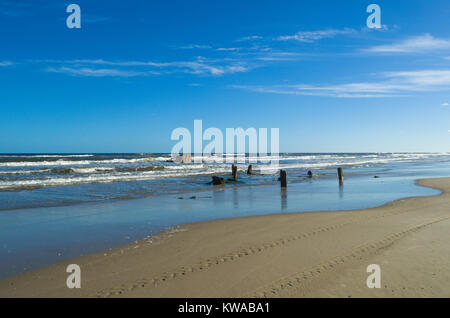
x,y
320,254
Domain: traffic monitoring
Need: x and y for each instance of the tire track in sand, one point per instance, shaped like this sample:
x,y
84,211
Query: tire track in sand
x,y
296,279
183,271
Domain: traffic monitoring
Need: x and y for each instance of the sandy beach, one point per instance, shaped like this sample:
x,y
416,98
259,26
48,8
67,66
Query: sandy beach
x,y
320,254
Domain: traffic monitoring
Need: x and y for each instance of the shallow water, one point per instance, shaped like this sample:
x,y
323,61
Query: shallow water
x,y
32,238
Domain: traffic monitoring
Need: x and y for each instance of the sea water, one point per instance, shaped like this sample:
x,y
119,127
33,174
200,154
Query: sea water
x,y
56,207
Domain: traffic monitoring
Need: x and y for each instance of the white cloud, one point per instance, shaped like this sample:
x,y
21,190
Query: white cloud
x,y
412,45
89,72
196,46
383,28
228,49
279,56
311,36
445,104
6,63
200,66
392,84
249,38
103,62
424,79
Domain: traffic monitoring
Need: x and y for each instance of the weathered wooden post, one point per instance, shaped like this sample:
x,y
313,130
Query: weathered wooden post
x,y
283,181
340,176
234,172
249,170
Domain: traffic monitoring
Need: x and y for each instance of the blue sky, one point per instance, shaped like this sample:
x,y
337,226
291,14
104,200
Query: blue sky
x,y
136,70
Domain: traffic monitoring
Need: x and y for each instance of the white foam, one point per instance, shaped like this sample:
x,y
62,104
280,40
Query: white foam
x,y
100,171
63,162
24,171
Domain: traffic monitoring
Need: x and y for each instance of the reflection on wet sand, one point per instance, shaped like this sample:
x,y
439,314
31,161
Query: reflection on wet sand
x,y
283,199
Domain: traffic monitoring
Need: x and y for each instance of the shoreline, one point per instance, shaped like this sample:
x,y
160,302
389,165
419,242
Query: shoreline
x,y
239,255
101,226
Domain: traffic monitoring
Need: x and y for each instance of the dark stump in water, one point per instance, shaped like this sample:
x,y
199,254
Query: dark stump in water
x,y
283,180
218,180
234,172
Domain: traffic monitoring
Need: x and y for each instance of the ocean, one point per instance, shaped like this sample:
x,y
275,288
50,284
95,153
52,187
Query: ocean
x,y
44,180
54,207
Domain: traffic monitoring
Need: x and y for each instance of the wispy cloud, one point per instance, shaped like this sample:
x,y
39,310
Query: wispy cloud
x,y
228,49
390,84
223,60
311,36
425,78
6,63
415,44
249,38
279,56
93,68
445,104
383,28
83,71
89,72
196,46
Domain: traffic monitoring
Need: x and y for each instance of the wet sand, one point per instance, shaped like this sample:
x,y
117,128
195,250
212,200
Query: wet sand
x,y
320,254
